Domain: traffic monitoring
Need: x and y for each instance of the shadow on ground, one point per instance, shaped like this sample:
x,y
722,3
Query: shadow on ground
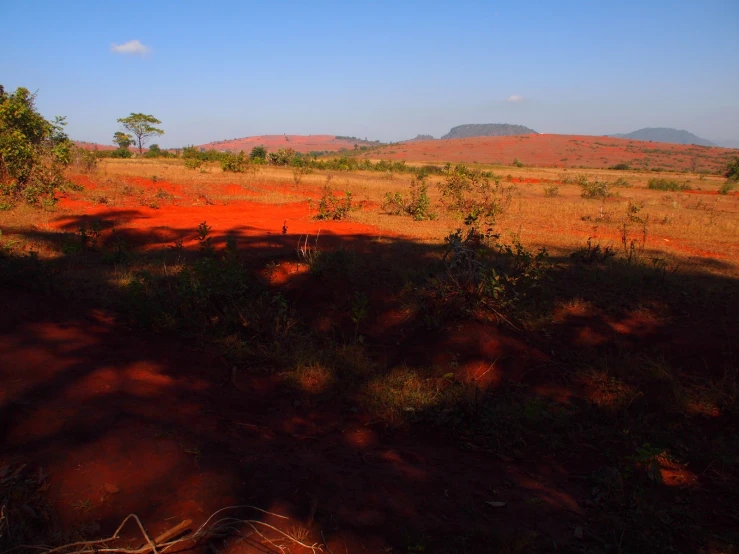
x,y
423,425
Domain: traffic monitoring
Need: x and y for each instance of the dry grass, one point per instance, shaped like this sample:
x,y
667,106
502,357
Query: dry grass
x,y
682,228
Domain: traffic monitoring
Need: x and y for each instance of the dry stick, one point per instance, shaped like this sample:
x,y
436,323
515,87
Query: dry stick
x,y
201,532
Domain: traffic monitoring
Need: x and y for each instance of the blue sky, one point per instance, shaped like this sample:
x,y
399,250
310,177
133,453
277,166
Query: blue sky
x,y
381,70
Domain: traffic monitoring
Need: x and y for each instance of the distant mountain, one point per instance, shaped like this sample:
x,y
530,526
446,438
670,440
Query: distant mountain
x,y
423,137
665,134
488,130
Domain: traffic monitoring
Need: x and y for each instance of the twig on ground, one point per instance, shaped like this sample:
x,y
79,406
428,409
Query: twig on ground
x,y
166,540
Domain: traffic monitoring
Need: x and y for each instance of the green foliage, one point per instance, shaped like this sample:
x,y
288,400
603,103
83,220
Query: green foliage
x,y
333,207
156,152
517,162
235,163
283,156
33,151
193,163
621,166
728,186
84,160
473,192
258,154
417,205
141,126
732,170
482,270
551,192
667,185
123,140
214,297
122,153
594,189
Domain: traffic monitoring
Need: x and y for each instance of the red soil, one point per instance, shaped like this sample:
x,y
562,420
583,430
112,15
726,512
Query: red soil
x,y
299,143
124,422
559,151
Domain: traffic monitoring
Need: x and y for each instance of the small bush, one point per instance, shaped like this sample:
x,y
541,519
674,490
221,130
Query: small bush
x,y
258,154
732,170
84,160
332,207
728,186
551,192
666,184
193,163
235,163
517,162
418,205
621,167
621,182
593,189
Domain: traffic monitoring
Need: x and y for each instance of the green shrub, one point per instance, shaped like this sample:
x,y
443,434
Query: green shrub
x,y
621,166
417,205
728,186
122,153
593,189
258,154
235,163
732,170
193,163
331,206
84,160
666,184
33,151
551,192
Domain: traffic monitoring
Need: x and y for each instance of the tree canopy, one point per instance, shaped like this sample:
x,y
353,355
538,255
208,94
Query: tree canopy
x,y
123,140
33,151
141,126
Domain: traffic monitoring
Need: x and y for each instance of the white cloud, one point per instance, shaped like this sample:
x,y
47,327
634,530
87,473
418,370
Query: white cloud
x,y
515,99
133,47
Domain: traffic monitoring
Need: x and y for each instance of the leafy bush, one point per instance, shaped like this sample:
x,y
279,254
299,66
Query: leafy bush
x,y
122,153
418,205
473,192
283,156
666,184
728,186
732,170
235,163
331,206
258,154
33,151
84,160
481,269
551,192
593,189
193,163
621,166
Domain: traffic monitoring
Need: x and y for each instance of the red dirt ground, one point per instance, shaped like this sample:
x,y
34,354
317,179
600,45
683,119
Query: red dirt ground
x,y
299,143
124,422
559,151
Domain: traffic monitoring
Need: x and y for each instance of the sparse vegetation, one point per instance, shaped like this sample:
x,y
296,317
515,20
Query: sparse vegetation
x,y
667,184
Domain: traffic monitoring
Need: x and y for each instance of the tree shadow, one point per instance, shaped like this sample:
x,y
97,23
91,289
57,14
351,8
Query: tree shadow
x,y
429,423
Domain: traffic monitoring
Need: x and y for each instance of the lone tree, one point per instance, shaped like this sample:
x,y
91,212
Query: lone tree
x,y
33,151
141,126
